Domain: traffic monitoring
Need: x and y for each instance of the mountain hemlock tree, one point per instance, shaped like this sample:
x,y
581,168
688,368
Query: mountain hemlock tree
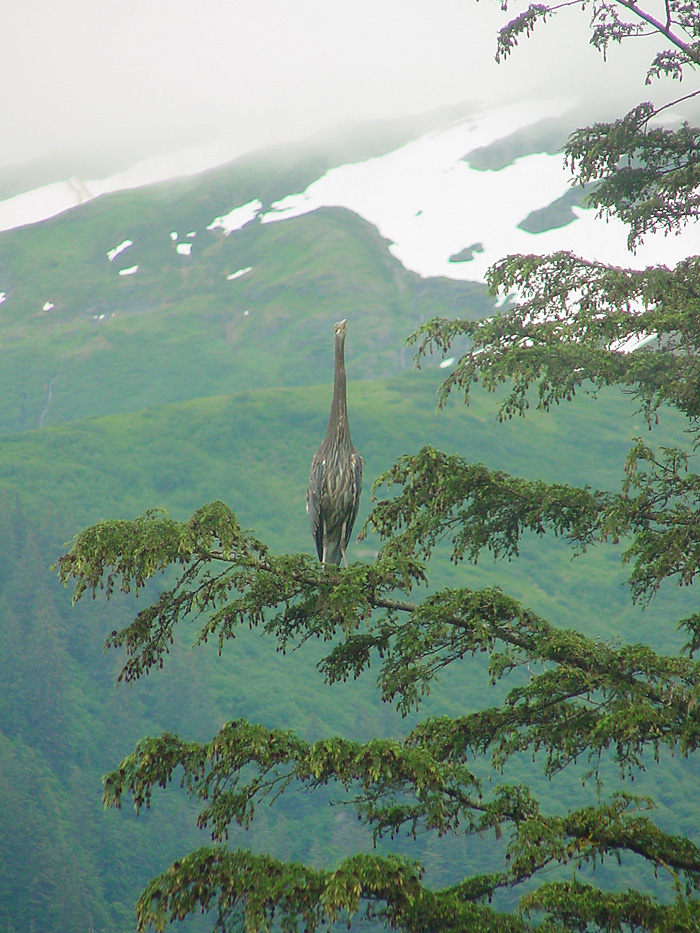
x,y
583,698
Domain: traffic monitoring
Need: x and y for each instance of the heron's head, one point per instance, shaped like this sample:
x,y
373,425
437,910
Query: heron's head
x,y
341,329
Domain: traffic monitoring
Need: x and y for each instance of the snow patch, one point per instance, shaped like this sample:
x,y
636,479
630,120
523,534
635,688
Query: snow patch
x,y
48,306
448,362
237,275
130,271
3,297
173,236
237,218
184,249
631,343
430,204
33,206
191,234
50,200
113,253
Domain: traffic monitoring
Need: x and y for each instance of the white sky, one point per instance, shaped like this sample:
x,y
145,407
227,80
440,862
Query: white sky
x,y
144,76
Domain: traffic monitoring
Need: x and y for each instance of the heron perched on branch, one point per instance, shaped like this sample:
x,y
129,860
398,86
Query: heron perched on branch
x,y
335,482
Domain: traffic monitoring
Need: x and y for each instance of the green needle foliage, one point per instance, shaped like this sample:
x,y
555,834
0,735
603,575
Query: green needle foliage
x,y
565,697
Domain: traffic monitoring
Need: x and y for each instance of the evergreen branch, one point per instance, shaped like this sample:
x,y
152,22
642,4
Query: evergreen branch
x,y
610,911
596,695
569,329
260,887
662,28
386,769
446,498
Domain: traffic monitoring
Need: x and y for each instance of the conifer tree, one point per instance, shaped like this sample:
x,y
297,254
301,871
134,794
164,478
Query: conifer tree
x,y
583,699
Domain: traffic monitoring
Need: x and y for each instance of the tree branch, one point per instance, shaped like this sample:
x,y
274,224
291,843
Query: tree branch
x,y
663,28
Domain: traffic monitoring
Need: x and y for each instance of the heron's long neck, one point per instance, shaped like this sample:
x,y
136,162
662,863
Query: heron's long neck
x,y
338,427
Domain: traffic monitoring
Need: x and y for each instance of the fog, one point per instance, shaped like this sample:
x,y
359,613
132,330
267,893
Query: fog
x,y
118,83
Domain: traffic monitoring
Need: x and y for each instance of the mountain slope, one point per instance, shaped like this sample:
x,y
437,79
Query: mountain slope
x,y
185,288
181,326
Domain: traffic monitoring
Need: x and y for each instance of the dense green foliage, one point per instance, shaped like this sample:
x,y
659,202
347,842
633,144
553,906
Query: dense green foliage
x,y
567,700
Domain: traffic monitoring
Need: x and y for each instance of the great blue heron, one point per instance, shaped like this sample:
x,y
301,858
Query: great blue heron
x,y
335,482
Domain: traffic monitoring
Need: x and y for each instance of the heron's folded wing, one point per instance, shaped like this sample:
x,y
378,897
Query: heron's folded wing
x,y
313,501
356,478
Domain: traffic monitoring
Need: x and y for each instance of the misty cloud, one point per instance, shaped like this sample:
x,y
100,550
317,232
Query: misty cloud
x,y
128,80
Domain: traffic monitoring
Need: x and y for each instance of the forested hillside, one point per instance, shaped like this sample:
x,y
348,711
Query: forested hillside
x,y
63,721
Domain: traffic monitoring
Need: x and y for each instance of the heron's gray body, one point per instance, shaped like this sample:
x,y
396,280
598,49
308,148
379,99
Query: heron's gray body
x,y
335,482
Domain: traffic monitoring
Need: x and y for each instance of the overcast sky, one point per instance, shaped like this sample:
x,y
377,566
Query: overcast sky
x,y
136,77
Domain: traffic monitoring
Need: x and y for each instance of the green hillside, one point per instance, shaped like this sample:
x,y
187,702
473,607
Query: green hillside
x,y
179,328
179,397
